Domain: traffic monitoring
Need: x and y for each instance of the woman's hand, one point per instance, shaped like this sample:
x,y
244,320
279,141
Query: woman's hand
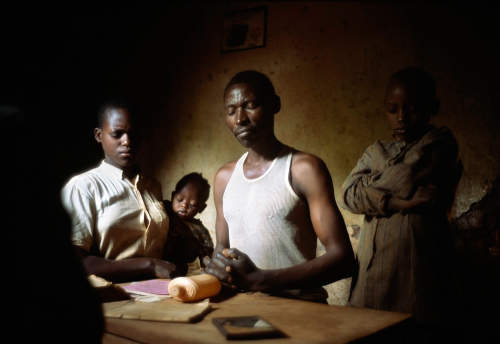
x,y
163,268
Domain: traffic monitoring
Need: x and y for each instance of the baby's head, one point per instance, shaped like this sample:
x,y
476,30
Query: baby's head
x,y
190,195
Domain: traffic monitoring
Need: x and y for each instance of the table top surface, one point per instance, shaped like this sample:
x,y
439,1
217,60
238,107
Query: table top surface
x,y
301,321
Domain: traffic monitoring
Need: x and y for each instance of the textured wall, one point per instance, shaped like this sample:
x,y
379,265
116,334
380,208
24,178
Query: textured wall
x,y
330,63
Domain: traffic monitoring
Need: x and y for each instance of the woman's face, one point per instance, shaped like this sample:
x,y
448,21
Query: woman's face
x,y
117,138
406,117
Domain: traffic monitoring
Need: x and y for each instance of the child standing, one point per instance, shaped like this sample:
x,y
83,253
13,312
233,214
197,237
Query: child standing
x,y
189,199
405,188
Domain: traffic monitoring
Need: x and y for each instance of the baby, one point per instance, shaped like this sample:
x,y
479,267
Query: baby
x,y
189,199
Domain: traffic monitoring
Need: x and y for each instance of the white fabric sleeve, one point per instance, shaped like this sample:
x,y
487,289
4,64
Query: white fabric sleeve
x,y
80,206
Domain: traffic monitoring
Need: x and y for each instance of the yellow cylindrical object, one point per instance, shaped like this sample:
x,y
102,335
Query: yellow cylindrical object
x,y
194,288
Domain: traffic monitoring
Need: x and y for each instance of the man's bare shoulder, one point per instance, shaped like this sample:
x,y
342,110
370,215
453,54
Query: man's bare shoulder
x,y
308,173
306,162
225,170
223,175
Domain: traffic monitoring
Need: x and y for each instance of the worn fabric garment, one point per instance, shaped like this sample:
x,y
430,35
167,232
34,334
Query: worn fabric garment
x,y
203,235
113,217
181,232
404,258
267,220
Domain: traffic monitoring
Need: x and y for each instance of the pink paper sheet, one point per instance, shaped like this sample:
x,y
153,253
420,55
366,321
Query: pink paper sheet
x,y
154,286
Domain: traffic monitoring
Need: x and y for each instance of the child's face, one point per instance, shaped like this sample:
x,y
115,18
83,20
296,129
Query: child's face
x,y
186,203
405,115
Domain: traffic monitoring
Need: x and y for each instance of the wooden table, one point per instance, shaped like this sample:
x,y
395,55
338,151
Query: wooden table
x,y
301,321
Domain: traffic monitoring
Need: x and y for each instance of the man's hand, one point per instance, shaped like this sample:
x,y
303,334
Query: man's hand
x,y
235,268
217,267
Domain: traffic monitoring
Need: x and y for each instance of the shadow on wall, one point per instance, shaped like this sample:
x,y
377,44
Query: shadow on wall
x,y
476,235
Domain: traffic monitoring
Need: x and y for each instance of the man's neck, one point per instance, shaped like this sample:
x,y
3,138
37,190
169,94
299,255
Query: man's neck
x,y
265,151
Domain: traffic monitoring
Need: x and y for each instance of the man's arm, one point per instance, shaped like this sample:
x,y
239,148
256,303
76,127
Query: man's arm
x,y
221,228
312,182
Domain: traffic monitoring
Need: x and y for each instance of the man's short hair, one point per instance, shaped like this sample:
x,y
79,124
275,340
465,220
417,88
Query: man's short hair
x,y
195,178
258,81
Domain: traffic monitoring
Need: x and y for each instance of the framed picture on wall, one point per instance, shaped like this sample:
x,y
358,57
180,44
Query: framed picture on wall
x,y
244,29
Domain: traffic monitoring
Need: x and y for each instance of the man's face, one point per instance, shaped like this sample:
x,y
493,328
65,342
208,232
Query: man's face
x,y
117,138
247,115
405,116
186,203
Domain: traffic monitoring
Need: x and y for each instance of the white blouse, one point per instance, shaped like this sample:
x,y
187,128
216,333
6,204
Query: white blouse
x,y
119,218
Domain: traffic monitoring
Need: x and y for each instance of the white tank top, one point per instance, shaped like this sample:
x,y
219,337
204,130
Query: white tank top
x,y
266,218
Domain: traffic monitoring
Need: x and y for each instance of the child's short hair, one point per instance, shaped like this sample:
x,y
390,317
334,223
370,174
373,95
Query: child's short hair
x,y
113,103
422,84
197,178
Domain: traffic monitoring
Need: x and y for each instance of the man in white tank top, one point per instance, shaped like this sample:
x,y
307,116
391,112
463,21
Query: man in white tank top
x,y
272,204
